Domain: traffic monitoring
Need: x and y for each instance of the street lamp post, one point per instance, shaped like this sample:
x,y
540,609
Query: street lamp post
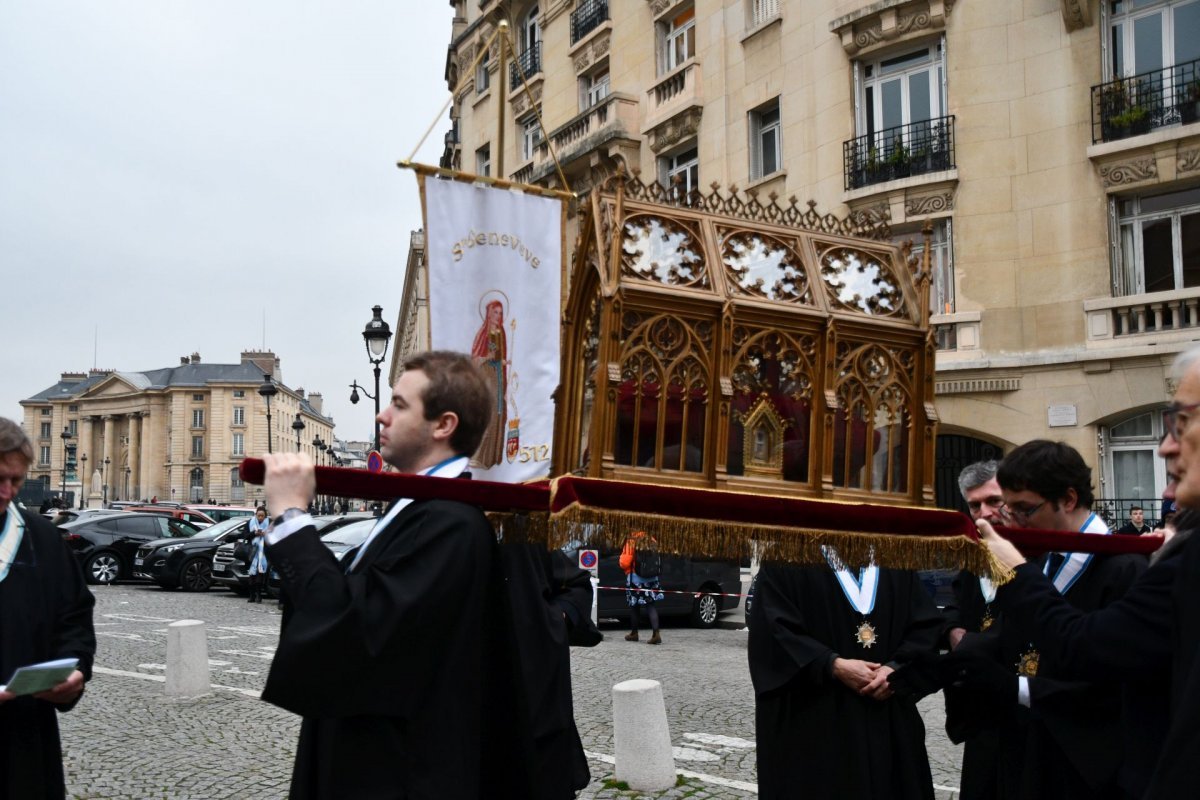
x,y
319,446
125,491
298,427
82,495
377,334
268,389
104,478
66,436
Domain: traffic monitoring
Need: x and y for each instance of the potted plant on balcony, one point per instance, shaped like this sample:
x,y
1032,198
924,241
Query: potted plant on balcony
x,y
1189,110
898,162
866,169
1122,110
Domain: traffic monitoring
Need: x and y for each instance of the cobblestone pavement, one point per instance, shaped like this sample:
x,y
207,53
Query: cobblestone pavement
x,y
127,741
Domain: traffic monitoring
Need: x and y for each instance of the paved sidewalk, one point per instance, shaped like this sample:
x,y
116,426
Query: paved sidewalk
x,y
127,741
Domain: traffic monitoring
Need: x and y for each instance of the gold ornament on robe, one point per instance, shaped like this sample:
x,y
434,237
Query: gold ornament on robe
x,y
865,634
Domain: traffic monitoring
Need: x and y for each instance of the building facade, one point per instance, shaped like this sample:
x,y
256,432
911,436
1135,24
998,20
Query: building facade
x,y
177,433
1054,144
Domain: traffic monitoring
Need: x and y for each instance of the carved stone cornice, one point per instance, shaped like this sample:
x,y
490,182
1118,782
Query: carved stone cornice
x,y
593,50
926,204
1076,14
1134,170
520,103
678,128
889,21
1189,160
660,7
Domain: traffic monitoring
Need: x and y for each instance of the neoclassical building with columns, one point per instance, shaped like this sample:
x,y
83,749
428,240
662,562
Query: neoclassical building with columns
x,y
176,433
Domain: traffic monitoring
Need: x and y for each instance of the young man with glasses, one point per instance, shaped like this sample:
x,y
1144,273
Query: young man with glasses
x,y
1057,738
1148,637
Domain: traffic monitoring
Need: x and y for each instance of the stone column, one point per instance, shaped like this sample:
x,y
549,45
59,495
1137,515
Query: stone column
x,y
152,460
110,453
87,445
135,455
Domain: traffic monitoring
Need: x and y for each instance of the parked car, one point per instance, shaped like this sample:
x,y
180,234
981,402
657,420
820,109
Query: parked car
x,y
107,545
197,518
187,563
64,515
693,587
229,563
221,513
344,540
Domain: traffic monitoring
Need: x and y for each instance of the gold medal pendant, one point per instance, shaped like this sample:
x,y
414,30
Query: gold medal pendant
x,y
1027,664
987,620
865,634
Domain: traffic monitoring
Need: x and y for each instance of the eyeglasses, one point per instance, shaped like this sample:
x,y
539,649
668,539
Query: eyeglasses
x,y
1025,512
1176,418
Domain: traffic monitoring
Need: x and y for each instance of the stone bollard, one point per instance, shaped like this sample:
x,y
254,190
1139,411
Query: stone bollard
x,y
641,740
187,658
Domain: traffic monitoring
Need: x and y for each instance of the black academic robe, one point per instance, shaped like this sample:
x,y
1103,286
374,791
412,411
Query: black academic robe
x,y
816,737
550,601
980,745
45,614
403,669
1068,744
1175,774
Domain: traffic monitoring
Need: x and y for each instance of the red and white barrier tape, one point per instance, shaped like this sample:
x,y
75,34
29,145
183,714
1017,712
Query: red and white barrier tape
x,y
668,591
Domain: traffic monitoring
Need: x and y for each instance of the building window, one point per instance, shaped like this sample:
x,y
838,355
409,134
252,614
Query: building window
x,y
685,165
239,393
44,455
1159,239
45,434
239,444
196,485
239,415
595,88
483,161
763,11
237,487
199,398
73,409
941,261
73,427
678,39
46,412
197,447
197,417
1146,36
483,78
1135,476
900,96
531,136
766,143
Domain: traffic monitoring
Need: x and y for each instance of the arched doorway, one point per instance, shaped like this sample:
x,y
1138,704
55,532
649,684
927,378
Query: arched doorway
x,y
955,451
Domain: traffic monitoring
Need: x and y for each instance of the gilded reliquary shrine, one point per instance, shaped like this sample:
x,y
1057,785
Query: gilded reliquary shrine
x,y
713,340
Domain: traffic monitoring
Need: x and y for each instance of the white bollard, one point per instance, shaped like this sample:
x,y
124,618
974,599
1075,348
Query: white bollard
x,y
187,658
641,740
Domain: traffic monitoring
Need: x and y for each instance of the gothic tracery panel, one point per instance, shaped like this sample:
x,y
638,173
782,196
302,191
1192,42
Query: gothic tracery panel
x,y
663,251
873,430
858,280
764,266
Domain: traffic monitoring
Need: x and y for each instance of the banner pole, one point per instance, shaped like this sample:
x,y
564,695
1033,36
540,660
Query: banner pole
x,y
502,99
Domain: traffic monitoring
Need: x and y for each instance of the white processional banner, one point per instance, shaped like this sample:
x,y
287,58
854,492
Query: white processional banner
x,y
495,266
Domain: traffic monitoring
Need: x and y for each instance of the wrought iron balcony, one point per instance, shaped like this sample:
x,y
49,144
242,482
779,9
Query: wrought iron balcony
x,y
587,17
1131,106
528,63
900,152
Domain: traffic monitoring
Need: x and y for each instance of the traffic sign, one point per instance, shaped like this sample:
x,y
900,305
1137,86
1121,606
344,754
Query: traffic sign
x,y
588,559
374,461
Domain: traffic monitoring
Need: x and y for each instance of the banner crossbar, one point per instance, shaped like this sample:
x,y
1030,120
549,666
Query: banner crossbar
x,y
469,177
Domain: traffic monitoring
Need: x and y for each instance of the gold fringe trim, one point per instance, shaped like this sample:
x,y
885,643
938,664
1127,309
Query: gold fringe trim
x,y
576,525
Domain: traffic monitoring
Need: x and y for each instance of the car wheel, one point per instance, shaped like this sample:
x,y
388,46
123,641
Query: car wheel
x,y
102,568
706,608
196,576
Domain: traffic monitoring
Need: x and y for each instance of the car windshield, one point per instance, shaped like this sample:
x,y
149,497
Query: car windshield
x,y
353,534
215,531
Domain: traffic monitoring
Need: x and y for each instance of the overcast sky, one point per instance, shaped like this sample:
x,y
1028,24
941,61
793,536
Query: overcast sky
x,y
172,169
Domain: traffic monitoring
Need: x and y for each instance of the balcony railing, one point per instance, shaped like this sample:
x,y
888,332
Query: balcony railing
x,y
900,152
1115,510
1131,106
1153,313
587,17
528,63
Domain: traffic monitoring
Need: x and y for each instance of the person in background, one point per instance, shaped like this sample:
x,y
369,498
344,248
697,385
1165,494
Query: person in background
x,y
1137,523
642,591
258,569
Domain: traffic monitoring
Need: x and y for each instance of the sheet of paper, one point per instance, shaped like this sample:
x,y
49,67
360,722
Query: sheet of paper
x,y
41,677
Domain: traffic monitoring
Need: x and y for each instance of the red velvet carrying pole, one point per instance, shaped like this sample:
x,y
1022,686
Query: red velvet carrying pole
x,y
705,504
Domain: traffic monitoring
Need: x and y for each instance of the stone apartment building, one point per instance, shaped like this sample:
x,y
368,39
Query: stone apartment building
x,y
1053,144
176,433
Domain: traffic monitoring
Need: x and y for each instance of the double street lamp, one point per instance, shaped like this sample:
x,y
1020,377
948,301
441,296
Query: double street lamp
x,y
267,391
298,427
377,334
